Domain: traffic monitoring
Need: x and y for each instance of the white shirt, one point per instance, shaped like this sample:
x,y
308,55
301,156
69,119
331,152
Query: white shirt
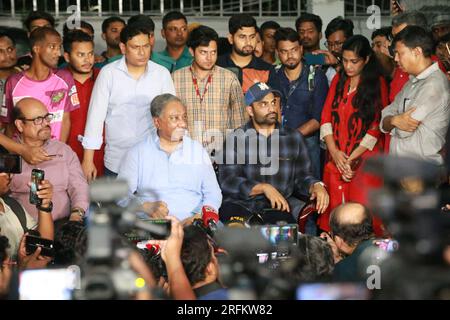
x,y
122,104
11,228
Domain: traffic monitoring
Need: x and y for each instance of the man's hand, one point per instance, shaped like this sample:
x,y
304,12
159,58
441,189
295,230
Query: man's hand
x,y
89,170
277,201
336,254
319,193
171,248
45,192
330,59
405,122
35,155
34,261
340,159
156,210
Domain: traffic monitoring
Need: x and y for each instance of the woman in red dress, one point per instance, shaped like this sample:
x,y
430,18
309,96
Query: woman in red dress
x,y
350,126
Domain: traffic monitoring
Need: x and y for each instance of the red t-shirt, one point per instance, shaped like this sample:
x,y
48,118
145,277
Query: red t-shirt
x,y
78,122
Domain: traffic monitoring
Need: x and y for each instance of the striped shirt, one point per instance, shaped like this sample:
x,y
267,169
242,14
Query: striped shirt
x,y
212,112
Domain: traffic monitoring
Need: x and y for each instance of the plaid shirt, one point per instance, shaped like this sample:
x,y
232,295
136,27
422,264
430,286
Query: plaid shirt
x,y
222,107
294,172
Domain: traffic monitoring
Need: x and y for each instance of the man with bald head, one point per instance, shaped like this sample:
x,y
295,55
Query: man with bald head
x,y
350,236
70,188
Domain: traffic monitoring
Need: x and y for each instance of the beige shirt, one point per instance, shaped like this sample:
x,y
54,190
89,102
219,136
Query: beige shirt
x,y
429,93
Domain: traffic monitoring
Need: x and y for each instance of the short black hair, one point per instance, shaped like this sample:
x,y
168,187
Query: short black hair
x,y
195,254
39,34
242,20
445,39
286,34
83,24
171,16
202,36
411,18
385,32
108,21
309,17
340,24
6,34
4,245
35,15
268,25
415,36
75,36
315,261
130,32
70,243
17,113
354,233
142,20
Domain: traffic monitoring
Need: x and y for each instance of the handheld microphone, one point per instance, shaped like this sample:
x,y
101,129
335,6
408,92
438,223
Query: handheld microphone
x,y
210,218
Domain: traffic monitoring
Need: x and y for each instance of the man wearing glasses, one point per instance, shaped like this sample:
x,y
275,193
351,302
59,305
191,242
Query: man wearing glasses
x,y
336,33
70,188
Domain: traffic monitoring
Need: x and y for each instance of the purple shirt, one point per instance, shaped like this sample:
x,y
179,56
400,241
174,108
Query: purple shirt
x,y
70,188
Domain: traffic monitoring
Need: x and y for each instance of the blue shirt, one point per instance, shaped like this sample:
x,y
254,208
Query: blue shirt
x,y
184,180
121,104
299,103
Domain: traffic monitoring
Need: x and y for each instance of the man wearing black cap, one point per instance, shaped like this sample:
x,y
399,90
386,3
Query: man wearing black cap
x,y
263,165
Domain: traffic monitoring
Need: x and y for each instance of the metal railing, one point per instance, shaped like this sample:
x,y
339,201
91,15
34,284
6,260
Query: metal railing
x,y
280,8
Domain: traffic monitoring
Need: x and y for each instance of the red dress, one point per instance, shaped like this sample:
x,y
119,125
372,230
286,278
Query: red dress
x,y
348,134
78,119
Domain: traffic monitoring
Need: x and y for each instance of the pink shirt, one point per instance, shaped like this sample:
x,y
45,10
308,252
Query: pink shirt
x,y
70,188
58,93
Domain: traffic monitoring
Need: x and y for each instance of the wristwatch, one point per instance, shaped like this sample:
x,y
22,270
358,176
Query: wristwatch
x,y
78,211
48,209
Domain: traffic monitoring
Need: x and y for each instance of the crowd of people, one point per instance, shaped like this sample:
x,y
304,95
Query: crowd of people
x,y
260,123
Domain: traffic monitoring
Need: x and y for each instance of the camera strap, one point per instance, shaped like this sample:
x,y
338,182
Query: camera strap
x,y
18,210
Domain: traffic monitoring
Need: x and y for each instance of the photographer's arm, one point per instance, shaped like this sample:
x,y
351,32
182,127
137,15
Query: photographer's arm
x,y
180,288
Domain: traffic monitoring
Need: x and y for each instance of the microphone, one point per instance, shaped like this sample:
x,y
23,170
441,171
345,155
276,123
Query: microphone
x,y
210,218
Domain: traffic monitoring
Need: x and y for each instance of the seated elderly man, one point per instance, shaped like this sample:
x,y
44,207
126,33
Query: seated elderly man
x,y
169,172
70,188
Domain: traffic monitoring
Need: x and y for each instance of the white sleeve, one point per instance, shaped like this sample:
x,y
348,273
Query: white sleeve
x,y
98,107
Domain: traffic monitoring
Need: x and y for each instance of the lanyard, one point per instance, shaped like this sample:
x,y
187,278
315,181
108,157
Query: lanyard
x,y
197,89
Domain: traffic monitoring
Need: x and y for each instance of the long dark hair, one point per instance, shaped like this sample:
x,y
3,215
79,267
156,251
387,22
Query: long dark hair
x,y
367,99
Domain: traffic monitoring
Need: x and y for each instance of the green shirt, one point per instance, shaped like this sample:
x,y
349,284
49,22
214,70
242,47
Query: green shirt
x,y
163,58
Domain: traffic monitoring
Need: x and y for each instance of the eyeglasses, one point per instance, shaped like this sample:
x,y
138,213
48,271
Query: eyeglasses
x,y
39,120
336,44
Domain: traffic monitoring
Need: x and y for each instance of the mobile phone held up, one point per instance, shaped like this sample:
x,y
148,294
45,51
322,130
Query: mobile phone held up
x,y
46,245
314,59
37,176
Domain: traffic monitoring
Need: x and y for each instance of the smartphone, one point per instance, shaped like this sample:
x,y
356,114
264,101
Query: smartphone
x,y
10,163
314,59
37,176
47,284
161,228
46,245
